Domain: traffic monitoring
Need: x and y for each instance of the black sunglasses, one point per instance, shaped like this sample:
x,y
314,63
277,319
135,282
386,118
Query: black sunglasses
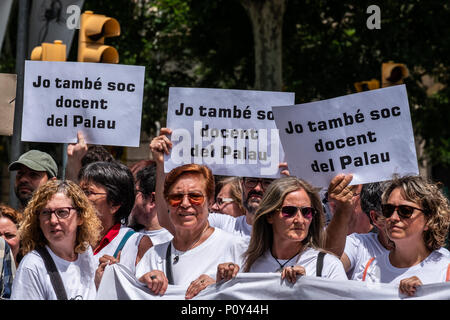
x,y
290,211
403,211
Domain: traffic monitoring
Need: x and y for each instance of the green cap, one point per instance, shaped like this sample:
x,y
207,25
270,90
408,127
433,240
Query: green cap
x,y
38,161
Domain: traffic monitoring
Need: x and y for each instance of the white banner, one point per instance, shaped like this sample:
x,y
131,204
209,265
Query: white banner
x,y
368,134
102,100
230,131
118,283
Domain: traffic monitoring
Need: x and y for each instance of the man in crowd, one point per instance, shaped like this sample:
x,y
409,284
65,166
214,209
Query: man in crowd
x,y
34,168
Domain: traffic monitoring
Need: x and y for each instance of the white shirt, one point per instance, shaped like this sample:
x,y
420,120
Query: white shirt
x,y
32,281
129,251
332,266
433,269
359,248
234,225
158,236
220,247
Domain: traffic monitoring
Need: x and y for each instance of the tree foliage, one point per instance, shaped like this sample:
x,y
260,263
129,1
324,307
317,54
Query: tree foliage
x,y
326,48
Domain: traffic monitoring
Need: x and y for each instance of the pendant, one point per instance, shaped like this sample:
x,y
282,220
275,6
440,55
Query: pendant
x,y
176,258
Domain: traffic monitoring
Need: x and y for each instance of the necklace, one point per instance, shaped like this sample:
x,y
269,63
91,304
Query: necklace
x,y
282,265
178,253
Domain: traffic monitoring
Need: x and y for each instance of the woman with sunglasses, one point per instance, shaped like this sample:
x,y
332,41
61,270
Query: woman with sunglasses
x,y
417,219
191,257
287,235
60,223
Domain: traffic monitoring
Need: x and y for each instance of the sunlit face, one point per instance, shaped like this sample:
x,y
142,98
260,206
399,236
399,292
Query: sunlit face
x,y
405,229
8,230
295,228
188,215
253,191
97,195
230,208
143,208
27,181
59,231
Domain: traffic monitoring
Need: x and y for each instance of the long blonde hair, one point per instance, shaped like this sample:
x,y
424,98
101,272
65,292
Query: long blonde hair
x,y
88,232
262,233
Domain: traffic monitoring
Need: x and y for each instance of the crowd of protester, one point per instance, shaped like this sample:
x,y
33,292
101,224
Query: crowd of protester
x,y
189,227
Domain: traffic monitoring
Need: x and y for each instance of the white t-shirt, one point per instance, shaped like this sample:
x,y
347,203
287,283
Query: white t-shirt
x,y
234,225
332,266
32,281
220,247
158,236
129,251
433,269
359,248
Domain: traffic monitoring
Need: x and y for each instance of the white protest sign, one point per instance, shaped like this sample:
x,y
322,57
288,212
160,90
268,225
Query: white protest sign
x,y
7,103
230,131
104,101
368,134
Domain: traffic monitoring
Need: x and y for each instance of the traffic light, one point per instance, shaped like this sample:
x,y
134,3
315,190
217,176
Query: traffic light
x,y
367,85
393,73
94,28
55,51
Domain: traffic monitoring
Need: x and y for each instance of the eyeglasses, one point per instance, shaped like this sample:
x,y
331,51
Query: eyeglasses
x,y
253,182
89,192
403,211
61,213
221,201
176,199
290,211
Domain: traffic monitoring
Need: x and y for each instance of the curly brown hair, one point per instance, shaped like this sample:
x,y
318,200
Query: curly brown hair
x,y
13,215
88,232
432,200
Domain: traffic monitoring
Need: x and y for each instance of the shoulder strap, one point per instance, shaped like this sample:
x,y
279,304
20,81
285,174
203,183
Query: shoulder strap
x,y
55,277
367,268
319,264
123,241
169,263
448,273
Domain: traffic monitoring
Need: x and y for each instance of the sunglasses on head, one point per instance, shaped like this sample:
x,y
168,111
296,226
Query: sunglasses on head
x,y
176,199
290,211
403,211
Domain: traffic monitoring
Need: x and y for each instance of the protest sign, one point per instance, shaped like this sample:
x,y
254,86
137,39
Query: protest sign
x,y
104,101
368,134
230,131
7,103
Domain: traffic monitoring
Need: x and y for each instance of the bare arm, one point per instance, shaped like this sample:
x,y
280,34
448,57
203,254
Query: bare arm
x,y
340,195
75,152
159,146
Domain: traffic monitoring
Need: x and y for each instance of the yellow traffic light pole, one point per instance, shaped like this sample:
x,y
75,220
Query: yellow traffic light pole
x,y
94,28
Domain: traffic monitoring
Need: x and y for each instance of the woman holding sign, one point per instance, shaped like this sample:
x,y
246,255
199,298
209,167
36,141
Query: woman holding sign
x,y
417,219
192,256
287,235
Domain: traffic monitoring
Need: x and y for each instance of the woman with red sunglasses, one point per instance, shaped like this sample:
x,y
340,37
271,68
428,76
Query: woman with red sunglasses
x,y
192,256
417,219
287,235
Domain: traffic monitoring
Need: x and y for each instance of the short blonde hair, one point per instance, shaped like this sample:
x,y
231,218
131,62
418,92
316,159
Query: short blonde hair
x,y
88,232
